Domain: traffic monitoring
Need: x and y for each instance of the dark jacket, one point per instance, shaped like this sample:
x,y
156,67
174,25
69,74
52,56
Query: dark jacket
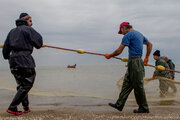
x,y
171,66
19,44
163,63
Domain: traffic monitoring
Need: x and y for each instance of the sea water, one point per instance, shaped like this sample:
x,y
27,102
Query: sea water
x,y
93,81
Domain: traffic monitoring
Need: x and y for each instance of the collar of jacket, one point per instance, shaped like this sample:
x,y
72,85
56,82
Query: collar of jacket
x,y
160,58
20,22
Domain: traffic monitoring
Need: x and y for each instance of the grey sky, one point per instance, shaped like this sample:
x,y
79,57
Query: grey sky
x,y
93,25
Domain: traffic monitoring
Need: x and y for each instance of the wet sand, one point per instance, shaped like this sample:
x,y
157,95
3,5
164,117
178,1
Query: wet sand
x,y
84,108
78,114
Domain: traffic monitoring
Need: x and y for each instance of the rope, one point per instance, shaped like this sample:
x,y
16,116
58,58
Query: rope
x,y
146,80
161,78
161,68
122,59
76,51
164,68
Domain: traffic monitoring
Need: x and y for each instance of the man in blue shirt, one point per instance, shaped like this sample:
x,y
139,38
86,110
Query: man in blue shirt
x,y
134,40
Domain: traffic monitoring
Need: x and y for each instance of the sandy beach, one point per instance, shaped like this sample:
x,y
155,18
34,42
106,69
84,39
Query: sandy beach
x,y
77,114
72,113
84,108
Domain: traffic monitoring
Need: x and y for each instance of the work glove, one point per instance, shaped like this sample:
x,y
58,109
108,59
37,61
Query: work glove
x,y
107,56
170,77
146,59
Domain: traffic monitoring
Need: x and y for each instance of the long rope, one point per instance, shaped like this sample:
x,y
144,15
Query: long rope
x,y
165,68
103,55
122,59
76,51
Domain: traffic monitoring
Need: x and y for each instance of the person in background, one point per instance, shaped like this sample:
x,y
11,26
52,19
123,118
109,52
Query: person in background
x,y
163,85
134,40
18,48
172,74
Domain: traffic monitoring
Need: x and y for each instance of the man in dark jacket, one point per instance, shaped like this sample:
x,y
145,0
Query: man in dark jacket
x,y
18,48
171,66
163,85
172,74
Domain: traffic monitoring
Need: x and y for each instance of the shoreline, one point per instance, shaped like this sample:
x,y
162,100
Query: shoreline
x,y
77,108
77,114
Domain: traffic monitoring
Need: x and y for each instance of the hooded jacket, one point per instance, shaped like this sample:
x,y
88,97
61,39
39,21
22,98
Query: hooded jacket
x,y
19,45
171,66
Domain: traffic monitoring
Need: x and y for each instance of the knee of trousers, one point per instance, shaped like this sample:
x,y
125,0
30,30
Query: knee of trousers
x,y
25,88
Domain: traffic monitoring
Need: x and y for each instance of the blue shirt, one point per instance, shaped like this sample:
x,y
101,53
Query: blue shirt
x,y
134,40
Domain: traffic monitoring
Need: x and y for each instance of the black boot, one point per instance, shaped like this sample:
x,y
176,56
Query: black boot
x,y
26,110
141,111
14,111
115,106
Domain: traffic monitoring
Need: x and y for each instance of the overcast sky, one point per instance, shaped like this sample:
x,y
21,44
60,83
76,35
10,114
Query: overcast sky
x,y
93,25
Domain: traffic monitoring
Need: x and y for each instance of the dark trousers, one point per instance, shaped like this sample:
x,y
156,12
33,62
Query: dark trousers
x,y
25,79
134,80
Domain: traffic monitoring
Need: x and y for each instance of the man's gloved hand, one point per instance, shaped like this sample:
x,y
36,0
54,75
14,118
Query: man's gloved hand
x,y
170,77
107,56
146,59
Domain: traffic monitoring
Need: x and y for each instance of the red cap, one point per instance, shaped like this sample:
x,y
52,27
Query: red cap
x,y
121,25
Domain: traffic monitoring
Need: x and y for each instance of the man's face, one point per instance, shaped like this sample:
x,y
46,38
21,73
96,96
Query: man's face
x,y
166,59
124,30
29,21
156,57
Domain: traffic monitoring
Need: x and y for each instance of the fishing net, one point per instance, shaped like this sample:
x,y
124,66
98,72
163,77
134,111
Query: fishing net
x,y
166,87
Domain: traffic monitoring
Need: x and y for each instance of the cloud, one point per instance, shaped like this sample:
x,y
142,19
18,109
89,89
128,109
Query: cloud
x,y
93,24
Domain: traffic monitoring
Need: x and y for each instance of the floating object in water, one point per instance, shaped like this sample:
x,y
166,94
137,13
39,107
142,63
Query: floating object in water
x,y
1,46
71,66
43,45
160,68
124,59
80,51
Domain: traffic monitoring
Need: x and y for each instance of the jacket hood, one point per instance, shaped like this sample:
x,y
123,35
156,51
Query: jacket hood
x,y
20,22
169,60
